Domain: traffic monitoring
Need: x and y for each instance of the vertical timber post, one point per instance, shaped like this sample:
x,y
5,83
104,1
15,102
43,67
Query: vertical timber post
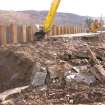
x,y
24,33
54,30
14,33
3,35
69,29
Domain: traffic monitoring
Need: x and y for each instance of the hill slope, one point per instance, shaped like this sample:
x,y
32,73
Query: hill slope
x,y
36,17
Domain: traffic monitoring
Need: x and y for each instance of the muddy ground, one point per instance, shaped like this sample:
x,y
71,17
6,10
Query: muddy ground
x,y
16,64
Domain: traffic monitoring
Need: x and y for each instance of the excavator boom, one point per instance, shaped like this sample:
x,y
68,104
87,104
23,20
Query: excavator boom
x,y
40,34
51,14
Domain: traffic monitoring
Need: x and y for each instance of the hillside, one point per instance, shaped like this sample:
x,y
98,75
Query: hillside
x,y
61,18
36,17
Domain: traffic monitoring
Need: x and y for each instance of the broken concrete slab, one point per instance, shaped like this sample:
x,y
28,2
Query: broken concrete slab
x,y
39,79
80,78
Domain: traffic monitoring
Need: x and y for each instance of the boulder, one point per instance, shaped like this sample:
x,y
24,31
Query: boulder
x,y
57,70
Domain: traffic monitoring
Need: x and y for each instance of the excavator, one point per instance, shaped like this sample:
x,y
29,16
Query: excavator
x,y
45,27
94,25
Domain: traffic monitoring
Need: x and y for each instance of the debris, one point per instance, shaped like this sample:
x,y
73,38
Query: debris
x,y
81,78
60,59
10,102
39,79
76,69
84,68
98,71
7,93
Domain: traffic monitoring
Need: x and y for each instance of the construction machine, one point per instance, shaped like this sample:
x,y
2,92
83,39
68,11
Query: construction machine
x,y
47,23
94,25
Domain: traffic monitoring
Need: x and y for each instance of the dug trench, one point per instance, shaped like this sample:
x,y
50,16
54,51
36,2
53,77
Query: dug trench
x,y
23,64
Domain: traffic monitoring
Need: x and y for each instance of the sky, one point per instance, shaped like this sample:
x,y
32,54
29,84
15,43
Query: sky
x,y
94,8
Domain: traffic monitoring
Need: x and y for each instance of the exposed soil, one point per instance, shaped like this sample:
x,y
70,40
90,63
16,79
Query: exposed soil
x,y
16,63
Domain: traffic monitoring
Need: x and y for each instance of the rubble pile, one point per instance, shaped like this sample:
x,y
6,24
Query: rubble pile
x,y
58,71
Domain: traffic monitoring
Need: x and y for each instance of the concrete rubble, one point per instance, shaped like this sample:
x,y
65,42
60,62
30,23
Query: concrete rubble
x,y
81,78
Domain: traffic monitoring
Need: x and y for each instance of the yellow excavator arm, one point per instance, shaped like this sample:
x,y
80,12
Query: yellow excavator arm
x,y
51,14
40,34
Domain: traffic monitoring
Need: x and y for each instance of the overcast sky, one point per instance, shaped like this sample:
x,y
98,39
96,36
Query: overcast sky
x,y
81,7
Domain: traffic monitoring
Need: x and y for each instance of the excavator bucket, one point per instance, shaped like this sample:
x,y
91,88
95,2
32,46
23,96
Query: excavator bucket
x,y
40,35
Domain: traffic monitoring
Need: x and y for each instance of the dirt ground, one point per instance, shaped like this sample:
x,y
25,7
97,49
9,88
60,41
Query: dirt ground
x,y
16,69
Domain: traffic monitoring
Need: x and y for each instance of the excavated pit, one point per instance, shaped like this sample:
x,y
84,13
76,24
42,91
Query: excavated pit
x,y
14,71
